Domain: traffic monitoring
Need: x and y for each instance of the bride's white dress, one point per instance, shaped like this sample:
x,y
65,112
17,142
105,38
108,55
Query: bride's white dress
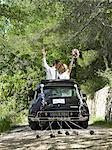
x,y
64,75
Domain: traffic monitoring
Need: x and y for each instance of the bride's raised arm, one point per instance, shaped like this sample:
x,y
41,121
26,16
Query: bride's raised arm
x,y
75,54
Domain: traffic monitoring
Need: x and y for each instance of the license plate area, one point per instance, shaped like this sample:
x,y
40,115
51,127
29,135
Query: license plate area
x,y
58,101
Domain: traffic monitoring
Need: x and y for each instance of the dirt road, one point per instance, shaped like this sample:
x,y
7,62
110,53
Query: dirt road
x,y
23,138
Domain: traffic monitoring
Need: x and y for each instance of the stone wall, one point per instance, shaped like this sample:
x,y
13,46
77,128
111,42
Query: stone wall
x,y
98,106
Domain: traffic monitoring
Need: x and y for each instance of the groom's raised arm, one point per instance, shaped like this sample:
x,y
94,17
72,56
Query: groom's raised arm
x,y
44,62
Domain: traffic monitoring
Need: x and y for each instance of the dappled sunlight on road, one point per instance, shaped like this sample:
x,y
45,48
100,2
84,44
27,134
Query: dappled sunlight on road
x,y
24,138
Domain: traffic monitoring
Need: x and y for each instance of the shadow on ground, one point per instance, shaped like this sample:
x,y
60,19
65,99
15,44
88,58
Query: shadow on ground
x,y
22,138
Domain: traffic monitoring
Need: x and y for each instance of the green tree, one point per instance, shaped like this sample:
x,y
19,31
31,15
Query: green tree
x,y
59,26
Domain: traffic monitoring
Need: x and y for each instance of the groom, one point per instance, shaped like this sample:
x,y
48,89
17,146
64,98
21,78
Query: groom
x,y
51,71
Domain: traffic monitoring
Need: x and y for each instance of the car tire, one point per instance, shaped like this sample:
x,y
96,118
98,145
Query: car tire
x,y
84,124
34,125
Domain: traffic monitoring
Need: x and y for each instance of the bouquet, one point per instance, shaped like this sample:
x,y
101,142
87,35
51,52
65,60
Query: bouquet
x,y
75,53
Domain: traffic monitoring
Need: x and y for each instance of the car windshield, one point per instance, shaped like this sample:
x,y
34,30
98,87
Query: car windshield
x,y
60,92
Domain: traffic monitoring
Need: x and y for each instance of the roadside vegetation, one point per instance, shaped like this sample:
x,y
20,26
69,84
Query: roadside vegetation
x,y
102,123
59,26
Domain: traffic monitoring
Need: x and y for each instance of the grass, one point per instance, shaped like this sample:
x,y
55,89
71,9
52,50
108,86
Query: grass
x,y
5,124
102,123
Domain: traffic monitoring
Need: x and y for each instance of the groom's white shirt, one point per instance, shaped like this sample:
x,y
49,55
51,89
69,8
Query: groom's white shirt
x,y
51,72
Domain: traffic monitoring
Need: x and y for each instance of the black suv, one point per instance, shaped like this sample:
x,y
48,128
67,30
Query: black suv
x,y
58,101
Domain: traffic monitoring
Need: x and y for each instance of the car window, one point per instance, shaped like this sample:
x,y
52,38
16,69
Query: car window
x,y
60,92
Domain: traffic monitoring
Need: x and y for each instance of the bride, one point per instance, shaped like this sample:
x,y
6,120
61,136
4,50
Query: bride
x,y
65,70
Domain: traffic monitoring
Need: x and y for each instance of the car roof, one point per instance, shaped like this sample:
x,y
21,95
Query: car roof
x,y
59,82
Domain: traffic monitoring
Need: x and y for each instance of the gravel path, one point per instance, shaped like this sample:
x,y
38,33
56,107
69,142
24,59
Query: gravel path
x,y
23,138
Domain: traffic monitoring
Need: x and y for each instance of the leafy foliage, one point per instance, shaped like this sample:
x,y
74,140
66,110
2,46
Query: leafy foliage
x,y
59,26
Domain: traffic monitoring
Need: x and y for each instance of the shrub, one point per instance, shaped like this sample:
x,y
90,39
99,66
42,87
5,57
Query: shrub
x,y
5,123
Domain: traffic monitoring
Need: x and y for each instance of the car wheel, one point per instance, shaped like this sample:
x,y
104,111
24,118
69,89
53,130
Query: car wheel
x,y
34,125
84,124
